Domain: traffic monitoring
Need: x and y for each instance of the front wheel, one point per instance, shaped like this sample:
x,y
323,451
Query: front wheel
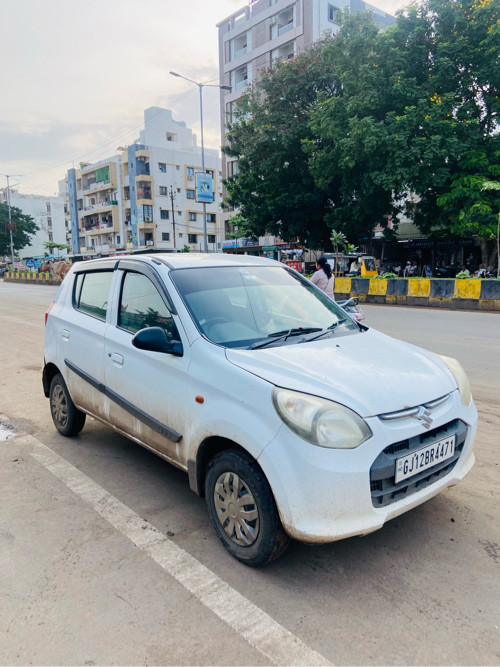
x,y
67,419
242,509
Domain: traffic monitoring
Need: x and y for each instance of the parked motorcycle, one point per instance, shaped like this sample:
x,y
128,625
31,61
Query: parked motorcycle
x,y
351,307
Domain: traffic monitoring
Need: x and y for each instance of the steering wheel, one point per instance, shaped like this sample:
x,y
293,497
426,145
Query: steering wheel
x,y
208,324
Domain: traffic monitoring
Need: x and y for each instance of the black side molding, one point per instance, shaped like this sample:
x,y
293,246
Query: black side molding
x,y
146,419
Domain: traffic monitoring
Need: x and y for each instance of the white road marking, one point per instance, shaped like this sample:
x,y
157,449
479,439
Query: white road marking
x,y
258,628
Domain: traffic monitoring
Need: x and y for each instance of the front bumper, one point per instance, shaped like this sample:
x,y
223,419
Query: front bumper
x,y
325,495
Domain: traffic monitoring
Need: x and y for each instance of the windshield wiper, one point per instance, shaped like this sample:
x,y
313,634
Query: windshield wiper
x,y
328,330
283,335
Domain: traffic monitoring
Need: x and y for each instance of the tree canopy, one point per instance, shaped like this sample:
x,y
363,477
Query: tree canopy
x,y
24,229
368,124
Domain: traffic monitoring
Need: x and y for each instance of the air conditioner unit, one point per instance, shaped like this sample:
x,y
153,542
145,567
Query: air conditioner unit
x,y
273,20
149,243
148,218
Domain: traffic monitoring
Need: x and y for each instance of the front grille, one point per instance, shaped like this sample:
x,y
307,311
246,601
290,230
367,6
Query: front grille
x,y
385,491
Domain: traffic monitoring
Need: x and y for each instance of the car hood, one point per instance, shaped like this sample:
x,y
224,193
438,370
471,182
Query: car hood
x,y
369,372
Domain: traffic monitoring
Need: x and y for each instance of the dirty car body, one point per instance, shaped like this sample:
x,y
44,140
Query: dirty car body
x,y
293,420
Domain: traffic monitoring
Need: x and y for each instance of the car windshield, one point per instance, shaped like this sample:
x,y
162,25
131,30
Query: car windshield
x,y
256,307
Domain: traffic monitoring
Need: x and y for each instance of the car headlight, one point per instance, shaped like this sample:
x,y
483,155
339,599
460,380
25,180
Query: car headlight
x,y
319,421
461,378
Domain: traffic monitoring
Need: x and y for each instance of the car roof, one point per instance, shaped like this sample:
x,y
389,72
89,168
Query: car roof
x,y
183,260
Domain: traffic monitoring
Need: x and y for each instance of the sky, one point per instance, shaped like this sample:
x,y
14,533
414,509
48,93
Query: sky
x,y
77,76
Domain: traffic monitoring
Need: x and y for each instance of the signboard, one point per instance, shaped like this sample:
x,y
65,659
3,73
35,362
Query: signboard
x,y
30,263
204,188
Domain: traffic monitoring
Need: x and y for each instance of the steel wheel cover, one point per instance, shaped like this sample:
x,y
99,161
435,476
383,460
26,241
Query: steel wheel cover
x,y
236,509
59,405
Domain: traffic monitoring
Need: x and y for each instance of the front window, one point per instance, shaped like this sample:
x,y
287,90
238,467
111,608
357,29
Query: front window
x,y
257,307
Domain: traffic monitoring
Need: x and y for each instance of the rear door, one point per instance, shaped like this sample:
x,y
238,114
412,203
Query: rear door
x,y
82,338
146,390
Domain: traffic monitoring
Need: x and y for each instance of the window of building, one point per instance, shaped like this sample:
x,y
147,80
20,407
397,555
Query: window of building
x,y
192,238
165,236
211,217
163,190
190,194
142,306
178,167
178,189
92,292
190,173
162,166
179,213
211,238
334,13
148,213
164,215
171,136
192,216
240,77
284,52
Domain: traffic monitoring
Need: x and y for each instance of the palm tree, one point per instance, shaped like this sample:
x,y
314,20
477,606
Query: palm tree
x,y
338,239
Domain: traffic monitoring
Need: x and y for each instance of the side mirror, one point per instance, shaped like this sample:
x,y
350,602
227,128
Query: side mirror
x,y
155,339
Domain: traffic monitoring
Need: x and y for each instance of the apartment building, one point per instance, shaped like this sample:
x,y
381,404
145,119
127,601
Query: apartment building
x,y
48,214
145,196
267,31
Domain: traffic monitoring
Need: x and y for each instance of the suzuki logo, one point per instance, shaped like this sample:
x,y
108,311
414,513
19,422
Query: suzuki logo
x,y
424,415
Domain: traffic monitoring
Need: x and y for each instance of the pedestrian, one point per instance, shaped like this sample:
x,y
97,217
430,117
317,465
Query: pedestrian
x,y
465,270
323,277
481,272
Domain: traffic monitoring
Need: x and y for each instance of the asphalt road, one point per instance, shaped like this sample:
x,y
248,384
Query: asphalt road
x,y
78,585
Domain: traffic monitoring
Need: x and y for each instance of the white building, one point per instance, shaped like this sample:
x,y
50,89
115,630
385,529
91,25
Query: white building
x,y
145,196
48,215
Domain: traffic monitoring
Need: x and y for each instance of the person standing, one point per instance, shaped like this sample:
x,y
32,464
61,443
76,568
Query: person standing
x,y
323,277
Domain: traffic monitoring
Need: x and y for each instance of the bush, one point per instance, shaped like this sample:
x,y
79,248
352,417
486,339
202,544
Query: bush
x,y
462,276
388,276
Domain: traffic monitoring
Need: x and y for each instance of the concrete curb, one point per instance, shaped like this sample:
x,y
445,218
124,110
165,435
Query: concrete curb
x,y
472,294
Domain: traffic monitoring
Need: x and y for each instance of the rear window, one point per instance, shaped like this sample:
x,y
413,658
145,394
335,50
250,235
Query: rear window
x,y
92,293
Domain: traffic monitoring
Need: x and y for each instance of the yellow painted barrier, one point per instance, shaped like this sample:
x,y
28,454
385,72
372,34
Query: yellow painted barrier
x,y
419,287
343,285
378,286
467,289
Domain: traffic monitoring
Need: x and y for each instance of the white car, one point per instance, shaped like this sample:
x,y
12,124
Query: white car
x,y
293,420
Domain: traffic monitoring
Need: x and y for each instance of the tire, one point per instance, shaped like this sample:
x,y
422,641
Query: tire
x,y
67,419
252,533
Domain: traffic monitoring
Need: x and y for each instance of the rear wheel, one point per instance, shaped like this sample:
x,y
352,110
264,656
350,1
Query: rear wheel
x,y
242,509
67,419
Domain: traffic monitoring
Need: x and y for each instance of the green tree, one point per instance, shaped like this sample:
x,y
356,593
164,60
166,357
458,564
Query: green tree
x,y
273,188
415,112
24,229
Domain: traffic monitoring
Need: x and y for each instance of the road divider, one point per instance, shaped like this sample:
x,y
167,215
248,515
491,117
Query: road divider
x,y
459,294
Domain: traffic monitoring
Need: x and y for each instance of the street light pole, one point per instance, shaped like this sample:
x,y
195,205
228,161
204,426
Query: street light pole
x,y
200,87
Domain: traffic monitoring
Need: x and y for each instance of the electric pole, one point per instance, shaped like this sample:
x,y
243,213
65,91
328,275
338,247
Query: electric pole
x,y
172,197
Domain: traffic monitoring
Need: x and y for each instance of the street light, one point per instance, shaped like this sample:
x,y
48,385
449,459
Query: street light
x,y
200,87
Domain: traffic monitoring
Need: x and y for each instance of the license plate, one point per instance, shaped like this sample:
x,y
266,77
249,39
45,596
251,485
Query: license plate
x,y
424,458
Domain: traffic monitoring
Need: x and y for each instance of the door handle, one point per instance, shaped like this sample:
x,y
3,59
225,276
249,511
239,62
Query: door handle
x,y
65,334
116,358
